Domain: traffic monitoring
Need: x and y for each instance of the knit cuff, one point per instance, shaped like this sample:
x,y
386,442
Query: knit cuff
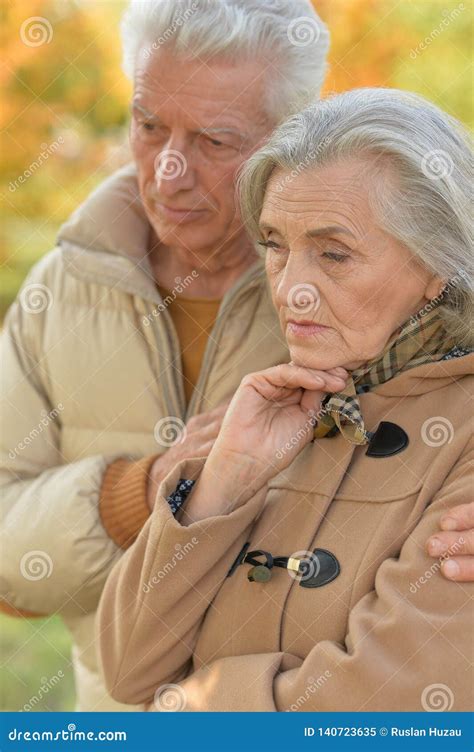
x,y
123,499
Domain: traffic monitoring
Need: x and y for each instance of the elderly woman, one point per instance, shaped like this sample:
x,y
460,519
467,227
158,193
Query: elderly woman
x,y
294,575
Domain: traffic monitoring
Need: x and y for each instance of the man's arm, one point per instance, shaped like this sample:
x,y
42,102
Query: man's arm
x,y
56,552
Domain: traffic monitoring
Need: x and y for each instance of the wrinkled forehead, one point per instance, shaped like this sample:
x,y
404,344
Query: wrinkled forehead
x,y
200,92
336,193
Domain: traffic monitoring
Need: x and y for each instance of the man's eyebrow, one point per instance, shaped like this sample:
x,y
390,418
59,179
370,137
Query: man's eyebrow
x,y
136,106
220,131
203,131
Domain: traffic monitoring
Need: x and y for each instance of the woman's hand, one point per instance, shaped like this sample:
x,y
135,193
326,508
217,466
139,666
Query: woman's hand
x,y
271,417
269,421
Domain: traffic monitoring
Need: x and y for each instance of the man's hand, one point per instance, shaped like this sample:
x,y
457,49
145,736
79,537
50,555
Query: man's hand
x,y
201,433
455,543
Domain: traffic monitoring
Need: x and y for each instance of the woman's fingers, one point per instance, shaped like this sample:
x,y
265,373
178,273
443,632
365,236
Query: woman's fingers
x,y
459,518
459,568
297,377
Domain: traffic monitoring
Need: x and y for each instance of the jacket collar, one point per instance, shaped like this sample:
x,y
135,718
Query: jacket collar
x,y
106,240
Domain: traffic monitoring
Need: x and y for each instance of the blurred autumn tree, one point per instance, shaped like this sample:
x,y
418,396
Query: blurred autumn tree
x,y
63,120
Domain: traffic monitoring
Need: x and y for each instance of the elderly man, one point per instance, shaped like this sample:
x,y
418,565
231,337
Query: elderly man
x,y
128,339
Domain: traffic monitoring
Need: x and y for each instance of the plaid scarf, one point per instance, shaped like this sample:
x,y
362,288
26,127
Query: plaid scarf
x,y
422,339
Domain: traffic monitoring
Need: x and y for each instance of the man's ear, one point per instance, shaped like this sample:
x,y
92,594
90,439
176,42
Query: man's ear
x,y
434,288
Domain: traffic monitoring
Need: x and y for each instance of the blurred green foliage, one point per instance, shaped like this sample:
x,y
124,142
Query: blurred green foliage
x,y
35,671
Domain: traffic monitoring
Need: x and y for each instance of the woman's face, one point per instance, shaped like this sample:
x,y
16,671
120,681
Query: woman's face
x,y
341,285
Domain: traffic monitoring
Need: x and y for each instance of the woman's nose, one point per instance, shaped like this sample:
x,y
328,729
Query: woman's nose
x,y
297,288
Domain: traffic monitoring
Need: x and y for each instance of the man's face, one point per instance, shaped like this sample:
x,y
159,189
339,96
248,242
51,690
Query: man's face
x,y
193,126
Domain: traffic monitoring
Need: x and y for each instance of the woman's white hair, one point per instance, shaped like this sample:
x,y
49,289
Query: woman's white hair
x,y
421,178
286,36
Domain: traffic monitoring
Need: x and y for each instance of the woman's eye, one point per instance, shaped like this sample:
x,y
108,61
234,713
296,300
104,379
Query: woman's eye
x,y
148,126
270,244
339,258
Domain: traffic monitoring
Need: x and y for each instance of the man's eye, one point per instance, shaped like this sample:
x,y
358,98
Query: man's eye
x,y
148,126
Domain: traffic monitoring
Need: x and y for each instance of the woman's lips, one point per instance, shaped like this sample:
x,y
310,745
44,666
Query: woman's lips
x,y
178,215
304,328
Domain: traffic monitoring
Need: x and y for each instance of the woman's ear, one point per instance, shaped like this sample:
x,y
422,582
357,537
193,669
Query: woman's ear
x,y
434,288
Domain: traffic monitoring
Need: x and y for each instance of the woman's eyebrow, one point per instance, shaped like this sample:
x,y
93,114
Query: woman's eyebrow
x,y
329,230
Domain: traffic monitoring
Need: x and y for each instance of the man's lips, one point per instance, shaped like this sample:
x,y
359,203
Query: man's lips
x,y
304,328
178,215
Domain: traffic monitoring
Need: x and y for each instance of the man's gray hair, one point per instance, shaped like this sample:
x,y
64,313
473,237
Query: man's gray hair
x,y
287,37
420,164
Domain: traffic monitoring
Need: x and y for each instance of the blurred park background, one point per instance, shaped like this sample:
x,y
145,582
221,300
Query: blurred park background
x,y
64,129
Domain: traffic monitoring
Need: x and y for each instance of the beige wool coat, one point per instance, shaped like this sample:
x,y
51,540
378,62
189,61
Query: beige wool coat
x,y
382,636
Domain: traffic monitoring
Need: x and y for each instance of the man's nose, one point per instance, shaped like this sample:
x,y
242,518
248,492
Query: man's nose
x,y
173,170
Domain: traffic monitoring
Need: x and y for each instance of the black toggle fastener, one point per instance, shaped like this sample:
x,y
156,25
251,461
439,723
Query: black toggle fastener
x,y
387,440
315,570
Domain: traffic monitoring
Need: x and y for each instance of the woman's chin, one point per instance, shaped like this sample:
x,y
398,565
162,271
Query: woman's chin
x,y
317,361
